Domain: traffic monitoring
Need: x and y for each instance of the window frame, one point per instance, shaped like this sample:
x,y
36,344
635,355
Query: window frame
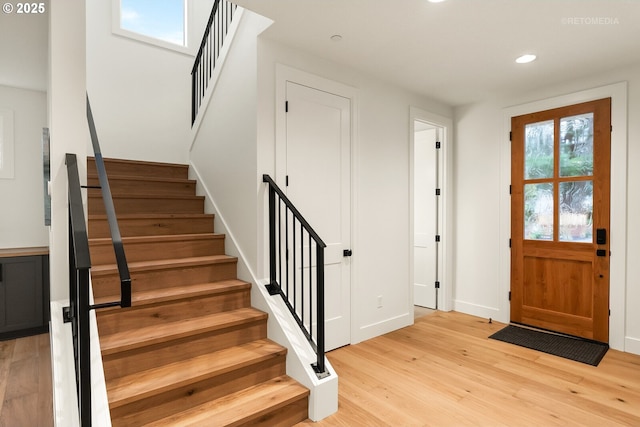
x,y
118,30
7,143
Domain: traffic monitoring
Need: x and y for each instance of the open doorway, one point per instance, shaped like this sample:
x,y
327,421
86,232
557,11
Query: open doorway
x,y
430,228
425,214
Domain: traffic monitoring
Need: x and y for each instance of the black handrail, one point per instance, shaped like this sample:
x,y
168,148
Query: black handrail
x,y
210,47
283,250
116,238
77,313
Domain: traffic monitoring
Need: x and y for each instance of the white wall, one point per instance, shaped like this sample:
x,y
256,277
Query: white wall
x,y
380,183
22,209
23,48
224,150
67,125
140,93
479,200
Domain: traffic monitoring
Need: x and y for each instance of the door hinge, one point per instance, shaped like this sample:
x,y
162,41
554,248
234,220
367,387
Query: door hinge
x,y
438,145
286,106
509,295
437,191
437,284
611,128
509,242
510,135
437,237
286,181
509,189
609,312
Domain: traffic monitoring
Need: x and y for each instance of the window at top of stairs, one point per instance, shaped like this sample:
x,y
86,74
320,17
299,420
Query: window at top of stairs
x,y
158,23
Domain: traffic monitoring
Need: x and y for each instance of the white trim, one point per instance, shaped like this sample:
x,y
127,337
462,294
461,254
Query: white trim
x,y
632,345
116,29
445,264
7,143
476,309
618,232
286,74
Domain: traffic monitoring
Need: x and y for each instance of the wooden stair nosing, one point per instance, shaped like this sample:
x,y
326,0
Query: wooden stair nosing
x,y
152,335
155,381
144,298
94,176
151,215
154,197
164,264
106,241
244,406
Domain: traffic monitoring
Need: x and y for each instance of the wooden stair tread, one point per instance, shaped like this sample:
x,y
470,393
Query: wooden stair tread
x,y
242,406
150,196
164,264
150,335
139,162
143,178
141,385
151,215
157,238
178,292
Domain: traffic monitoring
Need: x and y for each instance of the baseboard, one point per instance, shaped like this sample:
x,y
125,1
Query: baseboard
x,y
480,311
383,327
632,345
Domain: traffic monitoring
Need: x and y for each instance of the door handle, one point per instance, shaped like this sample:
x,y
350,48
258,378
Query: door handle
x,y
347,252
601,236
601,252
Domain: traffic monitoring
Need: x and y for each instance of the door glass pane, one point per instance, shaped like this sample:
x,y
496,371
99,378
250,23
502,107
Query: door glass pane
x,y
576,211
576,145
538,157
538,211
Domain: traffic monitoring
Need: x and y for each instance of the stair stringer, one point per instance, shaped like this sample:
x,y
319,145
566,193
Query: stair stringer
x,y
281,326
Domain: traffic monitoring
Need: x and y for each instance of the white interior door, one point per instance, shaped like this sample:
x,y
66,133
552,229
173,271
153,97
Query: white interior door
x,y
425,257
318,169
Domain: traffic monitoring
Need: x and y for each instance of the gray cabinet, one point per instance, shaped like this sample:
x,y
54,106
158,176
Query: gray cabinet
x,y
24,295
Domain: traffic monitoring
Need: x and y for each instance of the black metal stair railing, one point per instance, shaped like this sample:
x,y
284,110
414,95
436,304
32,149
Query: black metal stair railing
x,y
209,52
292,244
77,313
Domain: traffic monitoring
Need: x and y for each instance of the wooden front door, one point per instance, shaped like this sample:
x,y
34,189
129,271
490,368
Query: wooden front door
x,y
560,166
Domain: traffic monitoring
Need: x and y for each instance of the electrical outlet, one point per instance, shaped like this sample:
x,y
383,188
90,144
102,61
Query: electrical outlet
x,y
379,301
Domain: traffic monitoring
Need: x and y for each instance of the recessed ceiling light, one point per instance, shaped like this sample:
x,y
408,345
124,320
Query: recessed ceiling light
x,y
436,1
336,38
526,58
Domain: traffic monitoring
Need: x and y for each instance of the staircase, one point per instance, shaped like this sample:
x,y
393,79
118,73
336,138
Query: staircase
x,y
190,350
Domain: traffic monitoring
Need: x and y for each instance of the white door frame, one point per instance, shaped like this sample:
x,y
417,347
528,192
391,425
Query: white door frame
x,y
618,231
445,252
286,74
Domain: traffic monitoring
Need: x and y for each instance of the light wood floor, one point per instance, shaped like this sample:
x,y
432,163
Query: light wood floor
x,y
443,371
25,382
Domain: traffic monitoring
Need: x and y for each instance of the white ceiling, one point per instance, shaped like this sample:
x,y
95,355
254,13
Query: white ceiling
x,y
462,51
24,49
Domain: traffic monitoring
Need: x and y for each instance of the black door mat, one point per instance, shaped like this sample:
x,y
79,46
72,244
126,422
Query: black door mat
x,y
580,350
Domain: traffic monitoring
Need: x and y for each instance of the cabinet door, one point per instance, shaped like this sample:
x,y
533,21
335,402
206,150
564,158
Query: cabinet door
x,y
21,291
